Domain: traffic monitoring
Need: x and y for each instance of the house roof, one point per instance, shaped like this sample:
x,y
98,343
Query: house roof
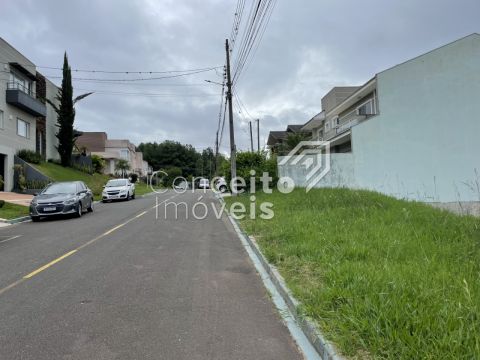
x,y
294,128
274,137
314,122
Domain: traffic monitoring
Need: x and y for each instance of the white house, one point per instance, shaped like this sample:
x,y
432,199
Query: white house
x,y
412,131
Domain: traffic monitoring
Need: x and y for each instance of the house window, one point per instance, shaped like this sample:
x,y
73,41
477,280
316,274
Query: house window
x,y
23,128
327,126
2,124
366,109
21,83
124,154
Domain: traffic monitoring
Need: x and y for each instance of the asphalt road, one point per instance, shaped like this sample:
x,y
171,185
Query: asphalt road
x,y
122,284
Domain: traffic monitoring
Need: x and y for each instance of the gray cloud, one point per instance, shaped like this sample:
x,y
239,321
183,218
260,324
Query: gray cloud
x,y
308,47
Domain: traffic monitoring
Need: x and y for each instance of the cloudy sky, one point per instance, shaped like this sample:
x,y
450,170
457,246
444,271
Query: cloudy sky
x,y
309,46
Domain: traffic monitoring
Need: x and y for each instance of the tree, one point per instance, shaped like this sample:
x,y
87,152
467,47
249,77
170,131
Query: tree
x,y
66,115
171,154
123,166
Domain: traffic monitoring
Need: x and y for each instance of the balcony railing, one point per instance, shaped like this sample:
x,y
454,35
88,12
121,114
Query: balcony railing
x,y
17,86
24,98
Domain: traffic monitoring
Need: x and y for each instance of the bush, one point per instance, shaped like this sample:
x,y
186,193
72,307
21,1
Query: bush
x,y
98,164
30,156
20,175
2,202
258,162
133,178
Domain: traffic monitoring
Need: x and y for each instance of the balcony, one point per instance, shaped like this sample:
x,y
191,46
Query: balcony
x,y
23,98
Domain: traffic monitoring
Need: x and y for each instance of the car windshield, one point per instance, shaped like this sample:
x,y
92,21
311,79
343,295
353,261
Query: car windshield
x,y
119,182
61,188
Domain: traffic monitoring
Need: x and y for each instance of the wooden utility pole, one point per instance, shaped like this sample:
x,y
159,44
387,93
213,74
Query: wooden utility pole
x,y
251,135
233,157
258,134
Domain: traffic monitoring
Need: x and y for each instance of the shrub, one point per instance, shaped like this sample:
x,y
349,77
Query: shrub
x,y
30,156
36,184
54,161
20,176
98,164
258,162
133,178
83,168
2,202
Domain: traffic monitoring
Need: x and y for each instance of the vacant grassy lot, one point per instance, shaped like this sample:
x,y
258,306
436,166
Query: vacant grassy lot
x,y
383,278
12,211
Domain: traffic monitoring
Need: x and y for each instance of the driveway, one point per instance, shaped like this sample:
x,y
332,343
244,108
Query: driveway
x,y
20,199
122,283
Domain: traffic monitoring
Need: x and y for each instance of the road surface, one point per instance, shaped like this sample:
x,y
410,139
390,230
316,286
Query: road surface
x,y
122,284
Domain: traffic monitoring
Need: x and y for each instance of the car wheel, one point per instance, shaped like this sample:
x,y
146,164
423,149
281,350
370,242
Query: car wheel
x,y
79,211
35,218
90,208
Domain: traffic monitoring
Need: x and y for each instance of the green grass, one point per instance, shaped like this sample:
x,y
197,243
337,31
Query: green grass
x,y
95,182
59,173
142,189
383,278
12,211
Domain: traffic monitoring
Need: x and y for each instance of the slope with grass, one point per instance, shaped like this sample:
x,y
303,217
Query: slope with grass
x,y
95,182
59,173
383,278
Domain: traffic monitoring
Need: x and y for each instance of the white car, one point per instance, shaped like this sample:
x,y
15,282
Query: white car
x,y
118,189
203,184
221,185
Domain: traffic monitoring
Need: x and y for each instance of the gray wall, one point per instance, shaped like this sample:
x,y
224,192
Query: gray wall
x,y
10,142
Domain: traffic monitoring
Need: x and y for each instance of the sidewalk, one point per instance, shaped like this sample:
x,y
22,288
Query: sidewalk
x,y
14,198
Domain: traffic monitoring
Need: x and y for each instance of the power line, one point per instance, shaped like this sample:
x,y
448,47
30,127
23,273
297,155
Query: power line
x,y
136,79
105,92
257,22
117,72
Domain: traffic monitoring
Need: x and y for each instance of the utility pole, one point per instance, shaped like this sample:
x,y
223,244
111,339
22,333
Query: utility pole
x,y
215,165
233,157
251,136
258,134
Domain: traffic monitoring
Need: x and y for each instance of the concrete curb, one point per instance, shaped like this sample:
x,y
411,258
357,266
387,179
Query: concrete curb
x,y
16,220
325,349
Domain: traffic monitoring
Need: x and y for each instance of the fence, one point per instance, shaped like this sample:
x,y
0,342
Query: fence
x,y
26,178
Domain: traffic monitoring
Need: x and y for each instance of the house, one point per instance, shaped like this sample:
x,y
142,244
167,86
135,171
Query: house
x,y
411,131
277,139
26,122
112,150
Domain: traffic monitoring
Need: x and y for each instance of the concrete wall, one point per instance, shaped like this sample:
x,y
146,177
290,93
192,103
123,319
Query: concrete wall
x,y
51,120
425,143
10,142
341,172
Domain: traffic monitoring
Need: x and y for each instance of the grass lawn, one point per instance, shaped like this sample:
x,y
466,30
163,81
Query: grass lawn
x,y
95,182
383,278
142,189
13,211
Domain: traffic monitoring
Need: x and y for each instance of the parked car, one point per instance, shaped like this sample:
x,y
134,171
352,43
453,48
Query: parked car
x,y
203,184
221,185
62,198
118,189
